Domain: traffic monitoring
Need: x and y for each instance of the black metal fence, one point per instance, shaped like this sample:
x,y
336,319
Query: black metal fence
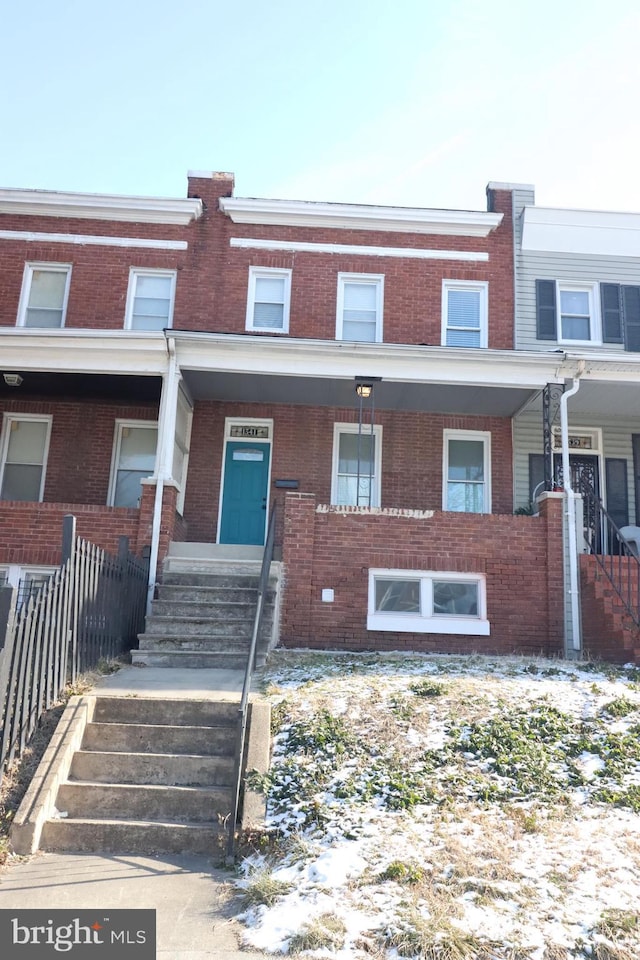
x,y
89,610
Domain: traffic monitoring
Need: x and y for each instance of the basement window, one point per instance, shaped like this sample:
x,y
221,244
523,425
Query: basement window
x,y
427,601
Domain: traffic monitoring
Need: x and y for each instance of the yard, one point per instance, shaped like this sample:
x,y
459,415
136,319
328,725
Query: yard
x,y
452,808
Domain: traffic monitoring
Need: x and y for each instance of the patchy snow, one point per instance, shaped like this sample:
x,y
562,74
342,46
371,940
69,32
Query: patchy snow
x,y
414,799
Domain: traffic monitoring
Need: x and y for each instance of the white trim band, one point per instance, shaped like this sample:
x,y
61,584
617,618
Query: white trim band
x,y
88,240
410,253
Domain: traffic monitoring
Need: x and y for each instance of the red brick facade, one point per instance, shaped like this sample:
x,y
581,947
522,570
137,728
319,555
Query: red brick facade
x,y
521,558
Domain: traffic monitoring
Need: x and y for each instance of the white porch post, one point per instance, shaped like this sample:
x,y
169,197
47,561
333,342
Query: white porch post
x,y
570,519
164,455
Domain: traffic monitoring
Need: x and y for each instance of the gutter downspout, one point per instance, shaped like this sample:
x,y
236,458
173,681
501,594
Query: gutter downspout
x,y
168,397
576,629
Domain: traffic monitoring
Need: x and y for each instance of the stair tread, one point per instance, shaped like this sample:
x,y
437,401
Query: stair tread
x,y
148,755
152,787
171,824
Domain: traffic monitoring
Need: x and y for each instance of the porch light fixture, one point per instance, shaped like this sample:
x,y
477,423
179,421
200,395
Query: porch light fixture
x,y
12,379
364,390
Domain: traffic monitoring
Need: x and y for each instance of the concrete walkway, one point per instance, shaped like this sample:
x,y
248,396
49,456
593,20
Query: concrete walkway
x,y
194,900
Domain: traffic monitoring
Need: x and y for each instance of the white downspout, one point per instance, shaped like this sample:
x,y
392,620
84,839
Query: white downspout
x,y
165,443
571,511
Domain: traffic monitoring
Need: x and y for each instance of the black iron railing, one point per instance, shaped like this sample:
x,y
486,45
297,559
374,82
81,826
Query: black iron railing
x,y
263,585
90,609
616,556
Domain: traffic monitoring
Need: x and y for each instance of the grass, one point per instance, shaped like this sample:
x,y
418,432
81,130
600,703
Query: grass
x,y
263,888
325,932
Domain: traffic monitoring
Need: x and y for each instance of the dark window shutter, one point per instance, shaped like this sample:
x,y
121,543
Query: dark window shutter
x,y
546,309
631,310
617,492
536,473
611,313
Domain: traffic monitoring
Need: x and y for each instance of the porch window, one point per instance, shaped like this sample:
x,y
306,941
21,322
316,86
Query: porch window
x,y
268,300
467,459
359,314
150,300
356,466
134,459
45,290
464,313
25,445
427,601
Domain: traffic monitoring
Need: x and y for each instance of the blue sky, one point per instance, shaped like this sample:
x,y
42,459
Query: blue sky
x,y
413,102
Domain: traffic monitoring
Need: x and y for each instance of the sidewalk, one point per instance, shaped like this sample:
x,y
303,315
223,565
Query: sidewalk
x,y
194,900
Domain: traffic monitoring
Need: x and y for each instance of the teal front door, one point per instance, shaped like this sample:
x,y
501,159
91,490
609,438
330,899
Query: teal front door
x,y
244,492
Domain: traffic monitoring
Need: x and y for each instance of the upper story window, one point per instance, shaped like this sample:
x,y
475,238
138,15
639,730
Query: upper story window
x,y
464,313
134,459
467,471
23,456
268,300
45,289
359,315
150,299
355,479
570,312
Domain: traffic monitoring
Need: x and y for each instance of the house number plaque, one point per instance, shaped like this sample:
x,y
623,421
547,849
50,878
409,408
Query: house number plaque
x,y
252,432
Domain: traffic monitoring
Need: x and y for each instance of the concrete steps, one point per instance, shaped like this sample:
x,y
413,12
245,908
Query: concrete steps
x,y
151,776
204,613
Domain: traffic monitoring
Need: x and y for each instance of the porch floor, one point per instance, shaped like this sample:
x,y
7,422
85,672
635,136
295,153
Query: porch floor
x,y
174,683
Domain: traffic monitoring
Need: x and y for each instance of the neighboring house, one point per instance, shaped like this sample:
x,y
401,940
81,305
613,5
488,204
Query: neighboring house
x,y
174,367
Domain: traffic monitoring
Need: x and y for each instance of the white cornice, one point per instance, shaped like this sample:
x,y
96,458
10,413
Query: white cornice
x,y
90,240
344,216
97,206
82,351
589,232
401,362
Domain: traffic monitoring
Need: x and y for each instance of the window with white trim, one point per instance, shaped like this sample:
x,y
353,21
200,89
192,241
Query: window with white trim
x,y
268,300
45,291
355,477
427,601
467,471
464,313
28,581
25,445
578,313
134,459
359,311
150,299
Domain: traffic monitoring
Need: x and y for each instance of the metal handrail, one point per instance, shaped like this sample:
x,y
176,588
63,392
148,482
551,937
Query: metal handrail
x,y
244,700
614,555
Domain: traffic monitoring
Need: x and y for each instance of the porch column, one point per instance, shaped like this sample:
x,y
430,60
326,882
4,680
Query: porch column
x,y
551,396
297,557
164,457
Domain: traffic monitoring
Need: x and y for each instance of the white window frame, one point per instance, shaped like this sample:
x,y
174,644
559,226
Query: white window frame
x,y
482,287
595,323
270,273
371,279
7,420
134,274
340,428
426,621
27,278
115,451
476,435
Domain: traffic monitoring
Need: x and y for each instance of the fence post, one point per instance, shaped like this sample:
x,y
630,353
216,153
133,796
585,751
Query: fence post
x,y
69,558
8,598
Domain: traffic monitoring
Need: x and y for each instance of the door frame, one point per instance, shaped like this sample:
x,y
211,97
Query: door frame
x,y
237,422
596,450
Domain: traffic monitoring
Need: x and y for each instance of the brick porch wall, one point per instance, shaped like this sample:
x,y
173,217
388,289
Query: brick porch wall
x,y
31,533
521,558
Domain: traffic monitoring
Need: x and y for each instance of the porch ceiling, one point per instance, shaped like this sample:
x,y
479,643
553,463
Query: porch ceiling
x,y
334,392
602,400
84,386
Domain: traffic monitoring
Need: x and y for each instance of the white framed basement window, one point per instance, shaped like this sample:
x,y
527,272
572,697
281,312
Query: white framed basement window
x,y
359,307
23,456
464,313
466,471
427,601
150,299
133,460
356,466
44,295
268,300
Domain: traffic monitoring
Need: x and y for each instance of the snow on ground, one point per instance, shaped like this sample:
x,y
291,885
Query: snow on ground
x,y
449,807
